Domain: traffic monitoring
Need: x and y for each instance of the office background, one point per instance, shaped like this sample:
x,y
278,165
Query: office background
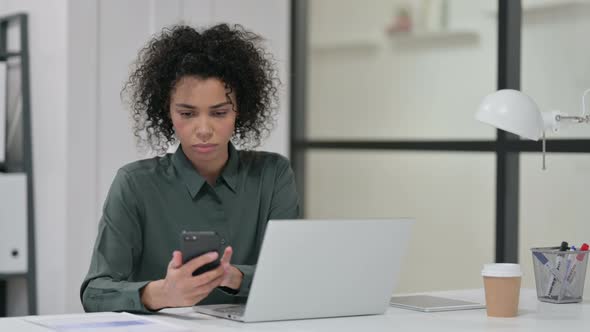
x,y
389,129
359,84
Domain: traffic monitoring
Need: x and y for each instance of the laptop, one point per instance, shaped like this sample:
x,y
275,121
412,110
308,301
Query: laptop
x,y
322,268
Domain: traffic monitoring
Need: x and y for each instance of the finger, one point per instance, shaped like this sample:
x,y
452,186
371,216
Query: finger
x,y
205,289
196,263
227,253
176,261
207,277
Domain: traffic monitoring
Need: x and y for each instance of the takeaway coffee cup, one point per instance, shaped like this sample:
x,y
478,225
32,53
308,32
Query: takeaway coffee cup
x,y
502,287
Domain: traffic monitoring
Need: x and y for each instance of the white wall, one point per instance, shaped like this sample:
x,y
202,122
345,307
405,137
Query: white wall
x,y
82,158
80,56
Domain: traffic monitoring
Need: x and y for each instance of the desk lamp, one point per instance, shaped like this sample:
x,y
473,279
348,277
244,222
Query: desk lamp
x,y
517,113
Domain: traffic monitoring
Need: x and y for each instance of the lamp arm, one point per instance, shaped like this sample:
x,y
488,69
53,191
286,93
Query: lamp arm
x,y
554,120
584,103
544,150
574,118
578,119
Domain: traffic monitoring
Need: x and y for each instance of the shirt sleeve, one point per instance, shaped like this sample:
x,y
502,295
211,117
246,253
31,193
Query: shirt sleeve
x,y
284,205
116,254
285,200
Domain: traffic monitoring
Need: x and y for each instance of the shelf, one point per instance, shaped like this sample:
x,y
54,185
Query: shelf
x,y
9,55
444,37
550,7
435,37
541,8
344,45
5,276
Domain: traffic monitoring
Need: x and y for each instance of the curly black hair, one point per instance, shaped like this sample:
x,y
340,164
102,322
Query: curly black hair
x,y
233,55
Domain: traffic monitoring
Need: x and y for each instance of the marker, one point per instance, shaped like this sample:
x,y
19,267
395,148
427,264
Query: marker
x,y
568,266
579,258
545,262
553,281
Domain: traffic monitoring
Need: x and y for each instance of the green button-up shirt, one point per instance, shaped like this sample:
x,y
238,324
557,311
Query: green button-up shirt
x,y
152,201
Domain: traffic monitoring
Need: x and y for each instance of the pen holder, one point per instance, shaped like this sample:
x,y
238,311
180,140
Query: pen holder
x,y
559,275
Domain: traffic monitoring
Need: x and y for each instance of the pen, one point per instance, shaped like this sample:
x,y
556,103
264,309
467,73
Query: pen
x,y
553,281
545,262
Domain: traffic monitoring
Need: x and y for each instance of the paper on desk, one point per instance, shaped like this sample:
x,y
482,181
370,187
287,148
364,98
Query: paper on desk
x,y
108,322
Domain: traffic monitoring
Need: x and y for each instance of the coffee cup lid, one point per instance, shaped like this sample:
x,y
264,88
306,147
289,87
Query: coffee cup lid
x,y
501,270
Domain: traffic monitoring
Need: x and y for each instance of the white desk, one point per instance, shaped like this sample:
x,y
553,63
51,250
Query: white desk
x,y
533,316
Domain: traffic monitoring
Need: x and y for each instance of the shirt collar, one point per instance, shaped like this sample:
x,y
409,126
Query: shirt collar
x,y
230,171
194,181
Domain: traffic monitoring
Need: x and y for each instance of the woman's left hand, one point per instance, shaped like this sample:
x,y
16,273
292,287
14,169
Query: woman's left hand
x,y
232,277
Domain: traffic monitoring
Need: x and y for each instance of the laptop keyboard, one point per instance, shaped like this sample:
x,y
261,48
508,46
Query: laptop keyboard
x,y
237,310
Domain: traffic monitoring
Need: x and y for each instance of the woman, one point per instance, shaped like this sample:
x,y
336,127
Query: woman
x,y
204,89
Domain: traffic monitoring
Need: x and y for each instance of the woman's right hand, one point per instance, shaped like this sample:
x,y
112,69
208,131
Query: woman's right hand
x,y
180,288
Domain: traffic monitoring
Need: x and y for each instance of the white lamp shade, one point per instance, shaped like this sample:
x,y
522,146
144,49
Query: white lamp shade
x,y
512,111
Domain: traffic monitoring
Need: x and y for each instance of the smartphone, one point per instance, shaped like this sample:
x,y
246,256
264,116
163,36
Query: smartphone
x,y
195,244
